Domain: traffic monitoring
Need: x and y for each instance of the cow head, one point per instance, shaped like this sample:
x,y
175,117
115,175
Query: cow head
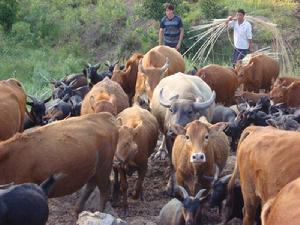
x,y
198,136
285,122
191,206
243,71
38,109
280,92
153,76
126,148
219,192
182,111
118,74
104,102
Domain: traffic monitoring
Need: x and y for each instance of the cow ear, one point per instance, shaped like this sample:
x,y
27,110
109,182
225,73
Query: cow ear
x,y
116,67
119,121
178,130
218,127
128,70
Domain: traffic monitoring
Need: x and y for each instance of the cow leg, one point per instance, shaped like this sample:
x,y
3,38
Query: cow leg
x,y
171,183
124,186
250,206
116,188
162,150
88,189
139,184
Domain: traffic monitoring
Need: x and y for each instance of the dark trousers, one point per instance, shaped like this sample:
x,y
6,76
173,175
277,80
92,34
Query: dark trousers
x,y
238,54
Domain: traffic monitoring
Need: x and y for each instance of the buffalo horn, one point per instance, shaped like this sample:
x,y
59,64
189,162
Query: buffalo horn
x,y
164,102
204,105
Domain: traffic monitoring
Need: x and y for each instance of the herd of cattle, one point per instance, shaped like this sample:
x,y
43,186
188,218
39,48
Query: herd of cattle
x,y
97,123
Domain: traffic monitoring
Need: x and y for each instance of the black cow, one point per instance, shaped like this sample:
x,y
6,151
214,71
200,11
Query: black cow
x,y
223,114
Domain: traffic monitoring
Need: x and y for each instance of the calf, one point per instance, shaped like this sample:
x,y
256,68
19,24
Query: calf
x,y
182,210
138,135
25,204
200,151
127,77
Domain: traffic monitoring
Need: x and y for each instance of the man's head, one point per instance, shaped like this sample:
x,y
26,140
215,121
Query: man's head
x,y
240,14
169,10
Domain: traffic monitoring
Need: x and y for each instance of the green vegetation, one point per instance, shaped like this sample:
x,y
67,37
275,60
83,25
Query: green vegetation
x,y
44,40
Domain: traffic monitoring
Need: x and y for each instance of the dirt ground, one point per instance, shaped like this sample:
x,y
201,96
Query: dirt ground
x,y
140,212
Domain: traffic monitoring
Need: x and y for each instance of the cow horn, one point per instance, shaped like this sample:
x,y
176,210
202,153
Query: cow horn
x,y
97,66
199,194
164,102
34,100
216,176
183,191
204,105
88,65
166,66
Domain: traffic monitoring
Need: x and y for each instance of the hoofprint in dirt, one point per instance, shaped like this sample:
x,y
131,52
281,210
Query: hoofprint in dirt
x,y
140,212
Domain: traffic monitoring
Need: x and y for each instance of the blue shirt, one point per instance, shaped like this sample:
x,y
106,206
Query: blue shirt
x,y
171,30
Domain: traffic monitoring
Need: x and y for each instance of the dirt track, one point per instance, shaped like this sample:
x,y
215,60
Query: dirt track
x,y
140,212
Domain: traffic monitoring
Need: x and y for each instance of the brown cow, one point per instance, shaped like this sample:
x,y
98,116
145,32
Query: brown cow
x,y
157,63
286,81
138,135
105,96
267,159
286,94
82,148
200,151
221,79
249,96
12,108
285,207
127,77
258,73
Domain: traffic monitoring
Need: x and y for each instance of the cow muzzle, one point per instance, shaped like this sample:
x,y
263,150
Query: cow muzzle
x,y
198,158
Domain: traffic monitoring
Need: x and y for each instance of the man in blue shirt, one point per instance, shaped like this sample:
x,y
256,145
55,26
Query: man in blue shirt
x,y
171,29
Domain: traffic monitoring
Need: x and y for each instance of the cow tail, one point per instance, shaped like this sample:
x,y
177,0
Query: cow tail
x,y
266,211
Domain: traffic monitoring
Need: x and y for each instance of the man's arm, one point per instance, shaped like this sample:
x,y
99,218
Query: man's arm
x,y
160,36
180,38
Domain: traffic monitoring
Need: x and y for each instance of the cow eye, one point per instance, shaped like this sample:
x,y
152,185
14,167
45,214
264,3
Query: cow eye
x,y
171,110
187,137
206,136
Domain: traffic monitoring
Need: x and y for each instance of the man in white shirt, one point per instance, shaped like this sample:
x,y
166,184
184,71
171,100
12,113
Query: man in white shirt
x,y
242,35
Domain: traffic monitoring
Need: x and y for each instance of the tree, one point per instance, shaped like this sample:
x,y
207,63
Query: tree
x,y
154,9
8,14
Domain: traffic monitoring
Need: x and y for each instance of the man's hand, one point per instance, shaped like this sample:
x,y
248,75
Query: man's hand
x,y
229,18
178,46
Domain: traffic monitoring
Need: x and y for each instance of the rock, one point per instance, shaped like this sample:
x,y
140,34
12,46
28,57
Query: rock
x,y
97,218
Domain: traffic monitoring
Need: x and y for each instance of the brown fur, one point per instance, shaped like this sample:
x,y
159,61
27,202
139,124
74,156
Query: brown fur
x,y
285,81
152,62
216,151
251,96
258,73
221,79
82,148
286,94
127,77
284,208
137,139
97,99
12,108
267,159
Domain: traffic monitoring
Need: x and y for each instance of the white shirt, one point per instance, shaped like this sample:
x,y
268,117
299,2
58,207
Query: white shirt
x,y
242,33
